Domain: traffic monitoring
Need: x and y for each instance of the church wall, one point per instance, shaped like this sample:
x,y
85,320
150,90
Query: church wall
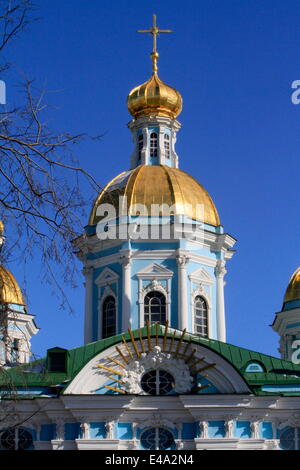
x,y
72,431
123,431
242,429
97,430
47,432
216,429
266,430
186,433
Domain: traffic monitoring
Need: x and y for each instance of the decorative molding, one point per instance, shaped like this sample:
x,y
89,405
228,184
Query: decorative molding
x,y
156,359
201,276
154,271
106,277
220,270
156,420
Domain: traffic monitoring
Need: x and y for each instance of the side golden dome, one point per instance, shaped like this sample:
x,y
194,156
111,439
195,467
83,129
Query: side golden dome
x,y
293,289
10,291
158,184
154,98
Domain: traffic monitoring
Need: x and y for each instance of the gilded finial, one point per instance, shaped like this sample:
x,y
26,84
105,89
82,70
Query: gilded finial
x,y
155,32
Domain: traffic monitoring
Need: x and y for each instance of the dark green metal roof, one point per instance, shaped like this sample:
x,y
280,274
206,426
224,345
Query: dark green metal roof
x,y
277,371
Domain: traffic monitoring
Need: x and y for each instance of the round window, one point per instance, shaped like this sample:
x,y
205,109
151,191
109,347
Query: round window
x,y
290,439
157,439
157,382
13,439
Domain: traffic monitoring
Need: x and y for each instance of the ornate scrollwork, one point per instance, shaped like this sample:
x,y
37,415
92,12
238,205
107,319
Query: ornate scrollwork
x,y
156,359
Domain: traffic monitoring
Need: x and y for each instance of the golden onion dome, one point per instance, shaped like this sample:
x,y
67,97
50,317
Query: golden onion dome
x,y
154,98
10,291
1,227
158,184
293,289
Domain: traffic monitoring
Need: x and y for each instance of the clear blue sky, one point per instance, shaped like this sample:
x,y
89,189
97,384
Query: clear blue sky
x,y
233,62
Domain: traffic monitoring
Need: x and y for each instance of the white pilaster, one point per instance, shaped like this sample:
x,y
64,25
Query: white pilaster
x,y
182,260
126,291
221,327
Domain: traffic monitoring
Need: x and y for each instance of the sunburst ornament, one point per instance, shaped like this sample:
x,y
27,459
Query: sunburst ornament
x,y
173,358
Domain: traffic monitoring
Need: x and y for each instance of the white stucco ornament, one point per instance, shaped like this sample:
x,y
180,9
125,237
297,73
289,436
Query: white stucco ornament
x,y
154,360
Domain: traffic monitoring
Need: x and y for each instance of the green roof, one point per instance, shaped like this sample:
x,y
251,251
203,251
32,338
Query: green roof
x,y
37,374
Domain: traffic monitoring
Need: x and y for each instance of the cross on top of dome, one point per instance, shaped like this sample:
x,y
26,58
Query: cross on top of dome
x,y
155,31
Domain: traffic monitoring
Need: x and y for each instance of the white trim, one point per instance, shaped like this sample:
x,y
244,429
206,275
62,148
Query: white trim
x,y
201,276
151,287
154,271
201,292
107,292
107,276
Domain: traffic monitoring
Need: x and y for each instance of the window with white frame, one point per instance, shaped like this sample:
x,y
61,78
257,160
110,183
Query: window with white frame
x,y
200,316
153,144
155,307
109,317
167,145
140,145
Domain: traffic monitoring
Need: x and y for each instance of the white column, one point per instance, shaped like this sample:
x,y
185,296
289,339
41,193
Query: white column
x,y
229,428
88,314
126,292
161,145
254,425
85,428
221,327
203,426
182,260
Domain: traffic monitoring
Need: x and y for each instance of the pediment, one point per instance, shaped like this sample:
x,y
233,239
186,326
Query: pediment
x,y
108,276
200,275
154,270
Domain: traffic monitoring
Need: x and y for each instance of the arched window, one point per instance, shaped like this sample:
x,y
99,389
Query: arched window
x,y
157,439
109,317
153,144
254,367
200,316
167,145
16,439
155,307
140,144
290,439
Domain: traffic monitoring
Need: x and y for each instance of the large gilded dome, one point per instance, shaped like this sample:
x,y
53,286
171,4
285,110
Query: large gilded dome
x,y
10,291
158,184
154,98
293,289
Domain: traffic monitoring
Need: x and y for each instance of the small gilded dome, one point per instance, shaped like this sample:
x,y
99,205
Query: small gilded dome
x,y
159,184
1,227
154,98
293,289
10,291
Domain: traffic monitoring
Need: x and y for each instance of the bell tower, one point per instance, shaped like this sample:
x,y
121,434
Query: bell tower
x,y
154,249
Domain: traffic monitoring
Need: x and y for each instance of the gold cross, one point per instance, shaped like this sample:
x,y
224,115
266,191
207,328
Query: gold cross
x,y
155,32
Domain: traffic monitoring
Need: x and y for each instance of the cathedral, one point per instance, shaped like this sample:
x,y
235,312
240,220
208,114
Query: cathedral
x,y
155,371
